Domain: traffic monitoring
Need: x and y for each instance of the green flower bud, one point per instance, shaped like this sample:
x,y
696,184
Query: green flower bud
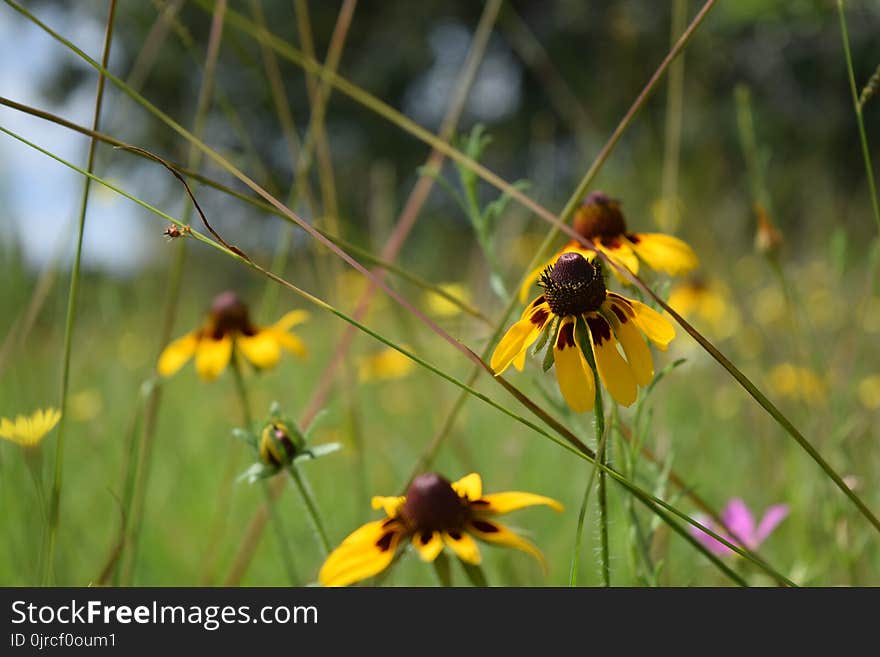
x,y
278,445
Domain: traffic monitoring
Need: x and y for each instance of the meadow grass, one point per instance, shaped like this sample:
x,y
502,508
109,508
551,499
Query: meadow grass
x,y
785,334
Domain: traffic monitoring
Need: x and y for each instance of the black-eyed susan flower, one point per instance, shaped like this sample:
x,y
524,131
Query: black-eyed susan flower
x,y
28,431
227,328
433,514
584,323
600,220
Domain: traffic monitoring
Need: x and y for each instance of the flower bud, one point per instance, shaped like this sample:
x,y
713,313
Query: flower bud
x,y
768,240
278,446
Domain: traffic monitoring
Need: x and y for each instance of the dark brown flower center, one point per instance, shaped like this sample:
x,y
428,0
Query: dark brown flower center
x,y
599,216
574,285
433,505
229,315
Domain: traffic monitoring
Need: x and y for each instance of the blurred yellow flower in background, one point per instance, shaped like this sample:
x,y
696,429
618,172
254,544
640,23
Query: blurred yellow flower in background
x,y
708,302
794,382
29,431
384,365
85,405
869,392
228,328
442,307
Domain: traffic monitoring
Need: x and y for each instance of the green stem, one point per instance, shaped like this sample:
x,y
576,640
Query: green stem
x,y
311,507
55,510
599,462
601,457
575,557
866,153
275,517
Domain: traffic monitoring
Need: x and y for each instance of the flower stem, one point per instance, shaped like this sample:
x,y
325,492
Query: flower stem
x,y
55,500
601,455
601,436
311,506
247,416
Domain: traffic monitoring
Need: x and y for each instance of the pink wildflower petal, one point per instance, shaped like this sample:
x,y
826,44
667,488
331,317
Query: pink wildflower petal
x,y
712,544
772,517
739,520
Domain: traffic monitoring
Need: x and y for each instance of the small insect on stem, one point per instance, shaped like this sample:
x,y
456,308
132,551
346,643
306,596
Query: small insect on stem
x,y
173,232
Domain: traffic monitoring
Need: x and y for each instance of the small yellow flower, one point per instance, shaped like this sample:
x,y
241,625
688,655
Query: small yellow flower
x,y
578,313
229,327
600,220
385,365
29,431
433,513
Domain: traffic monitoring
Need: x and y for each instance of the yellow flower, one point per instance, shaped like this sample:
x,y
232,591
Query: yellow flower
x,y
576,313
600,220
29,431
433,513
385,365
707,301
229,327
794,382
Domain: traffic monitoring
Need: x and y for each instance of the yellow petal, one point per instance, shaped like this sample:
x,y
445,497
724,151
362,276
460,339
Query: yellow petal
x,y
7,428
212,356
391,505
176,354
511,501
428,545
620,252
365,552
261,348
664,252
492,532
615,372
470,486
638,354
29,431
532,278
573,373
291,343
464,546
658,329
291,319
521,335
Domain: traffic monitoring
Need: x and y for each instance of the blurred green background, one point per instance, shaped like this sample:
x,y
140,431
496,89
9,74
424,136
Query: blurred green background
x,y
556,79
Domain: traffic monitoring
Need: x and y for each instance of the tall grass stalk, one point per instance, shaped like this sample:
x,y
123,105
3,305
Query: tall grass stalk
x,y
857,108
55,500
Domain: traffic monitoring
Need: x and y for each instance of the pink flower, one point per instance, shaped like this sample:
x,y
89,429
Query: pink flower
x,y
741,523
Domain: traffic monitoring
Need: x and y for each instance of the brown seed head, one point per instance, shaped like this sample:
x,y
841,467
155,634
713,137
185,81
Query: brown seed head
x,y
433,505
